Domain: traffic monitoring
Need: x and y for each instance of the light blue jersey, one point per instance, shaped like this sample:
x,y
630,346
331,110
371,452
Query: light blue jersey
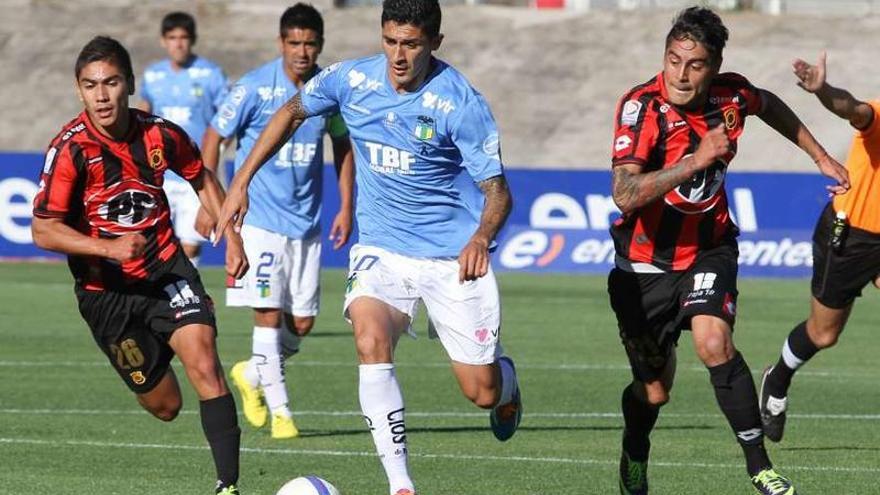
x,y
285,194
189,97
417,154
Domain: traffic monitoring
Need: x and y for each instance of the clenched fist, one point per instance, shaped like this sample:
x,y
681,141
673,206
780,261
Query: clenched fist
x,y
126,247
715,144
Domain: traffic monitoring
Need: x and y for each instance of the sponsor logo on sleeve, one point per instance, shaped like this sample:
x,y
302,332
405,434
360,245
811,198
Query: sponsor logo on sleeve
x,y
492,146
236,97
622,143
630,113
50,160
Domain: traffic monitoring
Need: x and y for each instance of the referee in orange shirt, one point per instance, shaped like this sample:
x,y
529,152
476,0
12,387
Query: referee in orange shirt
x,y
846,256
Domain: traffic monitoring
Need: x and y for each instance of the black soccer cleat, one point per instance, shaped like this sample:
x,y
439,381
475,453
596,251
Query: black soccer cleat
x,y
633,476
772,410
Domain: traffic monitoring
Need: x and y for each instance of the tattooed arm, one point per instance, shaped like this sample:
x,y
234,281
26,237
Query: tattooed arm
x,y
474,258
277,132
633,189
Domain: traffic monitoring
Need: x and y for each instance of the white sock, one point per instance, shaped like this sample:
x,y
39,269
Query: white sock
x,y
267,357
508,382
382,406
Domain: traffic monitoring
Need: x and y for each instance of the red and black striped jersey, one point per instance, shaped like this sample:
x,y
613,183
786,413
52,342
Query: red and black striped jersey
x,y
667,234
105,188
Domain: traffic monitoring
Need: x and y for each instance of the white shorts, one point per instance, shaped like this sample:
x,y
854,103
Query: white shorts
x,y
465,316
284,273
184,203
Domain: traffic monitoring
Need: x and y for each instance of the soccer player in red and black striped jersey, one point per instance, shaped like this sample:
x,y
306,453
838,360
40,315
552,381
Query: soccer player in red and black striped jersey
x,y
101,203
675,242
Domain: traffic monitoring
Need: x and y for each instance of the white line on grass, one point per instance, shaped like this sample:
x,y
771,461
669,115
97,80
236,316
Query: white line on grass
x,y
471,457
835,373
444,414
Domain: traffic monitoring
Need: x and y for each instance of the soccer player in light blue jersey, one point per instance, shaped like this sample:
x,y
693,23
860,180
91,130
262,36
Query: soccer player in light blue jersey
x,y
186,89
425,145
282,232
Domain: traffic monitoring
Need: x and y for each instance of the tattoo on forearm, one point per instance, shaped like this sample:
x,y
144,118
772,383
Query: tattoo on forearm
x,y
632,191
295,107
498,205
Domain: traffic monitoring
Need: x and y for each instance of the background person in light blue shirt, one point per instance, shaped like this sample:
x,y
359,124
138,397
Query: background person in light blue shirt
x,y
187,90
282,233
425,144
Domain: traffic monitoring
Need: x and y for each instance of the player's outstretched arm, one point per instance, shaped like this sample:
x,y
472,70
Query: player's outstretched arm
x,y
780,117
343,161
211,196
632,189
474,258
812,78
277,132
211,144
55,235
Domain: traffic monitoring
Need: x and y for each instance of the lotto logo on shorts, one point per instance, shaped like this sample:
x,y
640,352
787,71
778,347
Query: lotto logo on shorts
x,y
264,288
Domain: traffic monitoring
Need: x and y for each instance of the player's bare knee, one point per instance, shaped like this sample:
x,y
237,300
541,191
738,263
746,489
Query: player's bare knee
x,y
302,326
485,398
166,413
715,349
372,348
166,409
826,337
656,396
267,317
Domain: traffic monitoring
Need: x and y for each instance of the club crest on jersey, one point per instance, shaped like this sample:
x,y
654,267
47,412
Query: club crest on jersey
x,y
424,130
731,118
138,377
156,158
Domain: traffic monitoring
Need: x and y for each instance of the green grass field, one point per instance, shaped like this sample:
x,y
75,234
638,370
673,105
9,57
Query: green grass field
x,y
69,425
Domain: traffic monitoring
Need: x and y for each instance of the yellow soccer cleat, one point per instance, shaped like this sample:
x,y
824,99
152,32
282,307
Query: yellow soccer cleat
x,y
283,427
251,397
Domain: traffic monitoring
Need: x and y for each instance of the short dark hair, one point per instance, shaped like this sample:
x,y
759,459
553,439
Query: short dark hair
x,y
423,14
302,16
701,25
105,48
180,20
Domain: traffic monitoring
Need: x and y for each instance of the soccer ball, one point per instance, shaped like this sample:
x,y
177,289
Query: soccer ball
x,y
308,485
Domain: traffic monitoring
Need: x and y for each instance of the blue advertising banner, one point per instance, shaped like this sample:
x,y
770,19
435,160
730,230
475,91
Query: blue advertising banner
x,y
559,222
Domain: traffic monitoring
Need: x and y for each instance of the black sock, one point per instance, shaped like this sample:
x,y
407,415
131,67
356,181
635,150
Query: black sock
x,y
736,395
220,424
802,349
640,419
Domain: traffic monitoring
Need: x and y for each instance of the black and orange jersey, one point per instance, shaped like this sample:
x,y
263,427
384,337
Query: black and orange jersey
x,y
667,234
861,202
106,188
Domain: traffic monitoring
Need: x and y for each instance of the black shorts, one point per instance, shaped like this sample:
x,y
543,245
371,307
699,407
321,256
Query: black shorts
x,y
839,276
653,308
132,325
